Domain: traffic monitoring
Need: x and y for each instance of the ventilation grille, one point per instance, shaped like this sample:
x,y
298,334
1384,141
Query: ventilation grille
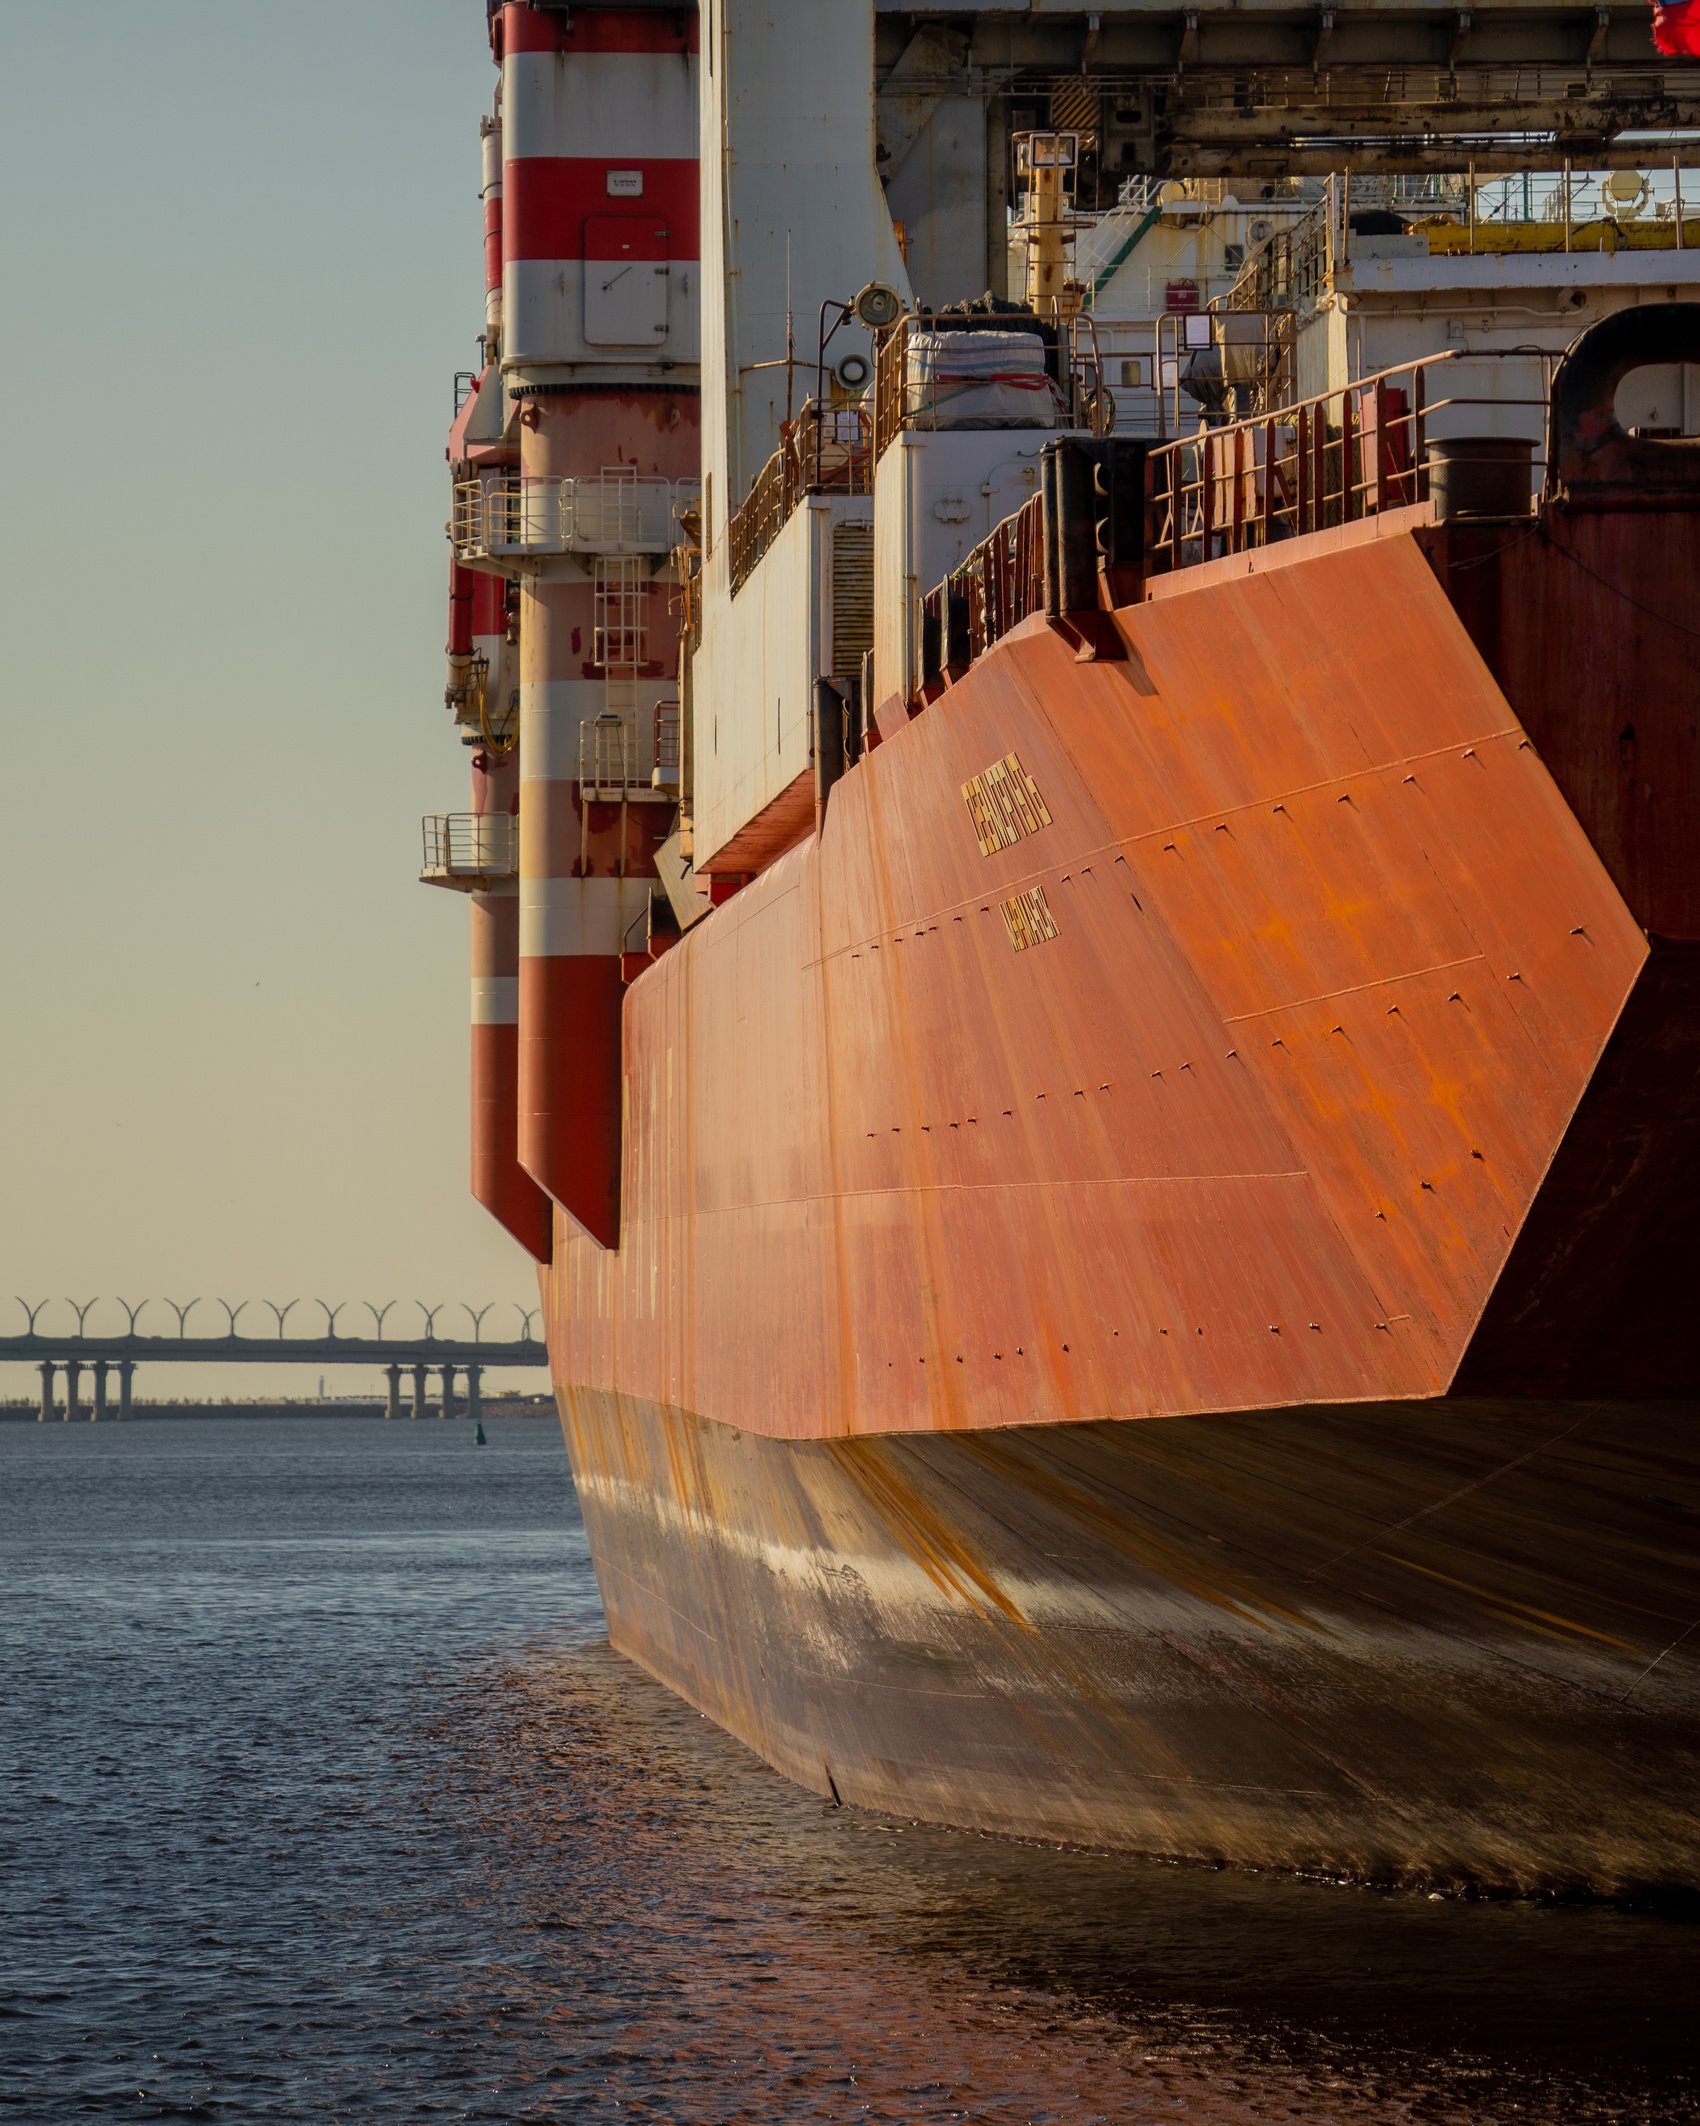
x,y
852,597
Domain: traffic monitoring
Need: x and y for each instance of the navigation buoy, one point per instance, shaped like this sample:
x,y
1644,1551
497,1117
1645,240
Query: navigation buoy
x,y
478,1439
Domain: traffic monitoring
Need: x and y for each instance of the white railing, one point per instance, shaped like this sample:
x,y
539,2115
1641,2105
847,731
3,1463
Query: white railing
x,y
502,515
668,752
630,754
1102,247
469,847
620,613
616,755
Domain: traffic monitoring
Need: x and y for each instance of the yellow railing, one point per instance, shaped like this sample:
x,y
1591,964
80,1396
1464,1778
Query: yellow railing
x,y
825,450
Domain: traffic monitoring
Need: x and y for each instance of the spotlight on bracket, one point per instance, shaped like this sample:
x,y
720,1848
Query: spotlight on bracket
x,y
877,306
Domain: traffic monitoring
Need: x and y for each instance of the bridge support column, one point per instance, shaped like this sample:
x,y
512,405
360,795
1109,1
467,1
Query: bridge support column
x,y
73,1370
474,1399
99,1410
46,1410
126,1374
448,1409
418,1391
392,1402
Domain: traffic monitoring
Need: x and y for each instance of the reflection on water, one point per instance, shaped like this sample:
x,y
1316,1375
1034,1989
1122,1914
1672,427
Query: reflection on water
x,y
329,1803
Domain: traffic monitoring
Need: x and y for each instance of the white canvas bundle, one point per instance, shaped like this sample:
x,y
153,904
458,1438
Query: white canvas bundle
x,y
979,380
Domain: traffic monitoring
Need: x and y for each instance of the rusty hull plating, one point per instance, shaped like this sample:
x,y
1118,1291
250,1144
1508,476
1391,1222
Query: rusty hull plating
x,y
1068,1203
1329,965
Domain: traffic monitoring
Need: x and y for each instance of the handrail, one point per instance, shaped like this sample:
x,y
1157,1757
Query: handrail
x,y
630,754
666,746
997,586
473,845
826,449
1290,268
1112,240
1253,364
1349,453
616,511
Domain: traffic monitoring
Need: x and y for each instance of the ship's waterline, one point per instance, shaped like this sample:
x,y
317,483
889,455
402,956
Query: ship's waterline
x,y
1366,1642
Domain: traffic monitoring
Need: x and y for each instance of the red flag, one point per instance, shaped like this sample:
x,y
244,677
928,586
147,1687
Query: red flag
x,y
1676,28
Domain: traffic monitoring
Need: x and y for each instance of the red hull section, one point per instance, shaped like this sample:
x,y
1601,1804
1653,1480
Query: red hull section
x,y
499,1182
1592,632
1589,631
1226,1083
569,1086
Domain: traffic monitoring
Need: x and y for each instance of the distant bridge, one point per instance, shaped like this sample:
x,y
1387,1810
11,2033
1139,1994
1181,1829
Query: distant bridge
x,y
119,1355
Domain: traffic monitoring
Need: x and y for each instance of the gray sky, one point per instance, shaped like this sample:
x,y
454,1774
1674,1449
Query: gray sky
x,y
242,261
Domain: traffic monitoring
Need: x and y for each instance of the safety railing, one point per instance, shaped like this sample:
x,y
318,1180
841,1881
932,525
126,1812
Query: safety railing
x,y
1220,364
1106,242
1000,584
503,515
825,450
1139,372
616,756
484,516
468,848
891,380
1358,451
1290,269
665,774
1364,91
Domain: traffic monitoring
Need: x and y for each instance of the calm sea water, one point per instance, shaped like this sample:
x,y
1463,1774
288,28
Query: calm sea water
x,y
322,1799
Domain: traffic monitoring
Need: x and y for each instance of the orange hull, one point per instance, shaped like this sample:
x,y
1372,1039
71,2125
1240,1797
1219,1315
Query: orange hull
x,y
1239,1072
1246,1111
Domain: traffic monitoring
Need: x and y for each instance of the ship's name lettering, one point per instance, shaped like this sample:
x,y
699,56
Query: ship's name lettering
x,y
1028,919
1004,804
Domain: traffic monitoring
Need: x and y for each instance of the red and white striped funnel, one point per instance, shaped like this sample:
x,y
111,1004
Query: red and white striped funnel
x,y
599,350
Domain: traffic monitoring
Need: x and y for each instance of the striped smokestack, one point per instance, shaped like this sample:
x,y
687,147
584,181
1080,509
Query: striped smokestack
x,y
484,694
599,349
491,131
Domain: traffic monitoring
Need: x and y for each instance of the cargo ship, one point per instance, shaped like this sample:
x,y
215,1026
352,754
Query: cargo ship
x,y
1084,867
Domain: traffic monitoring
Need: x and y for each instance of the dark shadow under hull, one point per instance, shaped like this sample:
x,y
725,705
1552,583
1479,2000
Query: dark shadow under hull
x,y
1443,1643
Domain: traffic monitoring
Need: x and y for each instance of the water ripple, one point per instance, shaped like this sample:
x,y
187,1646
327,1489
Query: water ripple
x,y
325,1801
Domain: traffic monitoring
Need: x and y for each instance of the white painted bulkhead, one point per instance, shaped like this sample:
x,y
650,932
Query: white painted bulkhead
x,y
937,493
1395,303
755,674
619,300
626,103
555,304
793,215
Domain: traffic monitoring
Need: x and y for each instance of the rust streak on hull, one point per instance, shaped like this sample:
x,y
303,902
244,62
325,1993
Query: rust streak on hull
x,y
1396,1711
